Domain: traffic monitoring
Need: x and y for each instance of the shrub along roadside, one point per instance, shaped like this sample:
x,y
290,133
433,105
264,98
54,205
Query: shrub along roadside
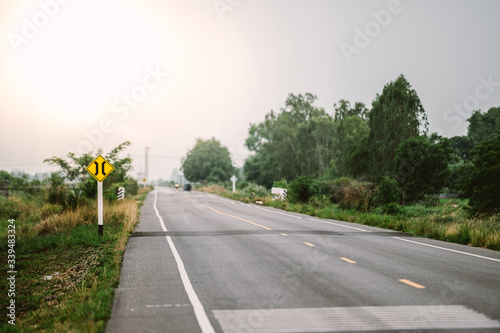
x,y
449,222
84,268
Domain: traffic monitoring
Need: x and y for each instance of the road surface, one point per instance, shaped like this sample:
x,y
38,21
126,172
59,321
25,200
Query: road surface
x,y
201,263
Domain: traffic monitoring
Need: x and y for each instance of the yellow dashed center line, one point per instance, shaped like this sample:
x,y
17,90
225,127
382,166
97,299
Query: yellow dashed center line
x,y
235,217
285,234
307,243
413,284
348,260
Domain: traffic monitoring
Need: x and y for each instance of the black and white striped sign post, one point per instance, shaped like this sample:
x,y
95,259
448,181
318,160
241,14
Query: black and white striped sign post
x,y
121,193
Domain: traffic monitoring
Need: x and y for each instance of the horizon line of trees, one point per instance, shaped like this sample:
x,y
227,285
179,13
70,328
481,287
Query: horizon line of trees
x,y
389,140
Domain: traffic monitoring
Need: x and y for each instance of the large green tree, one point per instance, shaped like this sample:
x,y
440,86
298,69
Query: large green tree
x,y
296,141
208,160
481,179
396,115
484,126
421,165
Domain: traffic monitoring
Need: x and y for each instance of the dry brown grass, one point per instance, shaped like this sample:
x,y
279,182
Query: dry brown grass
x,y
125,212
129,212
56,223
143,190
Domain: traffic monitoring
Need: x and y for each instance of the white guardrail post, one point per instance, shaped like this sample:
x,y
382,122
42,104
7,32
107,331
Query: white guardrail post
x,y
278,192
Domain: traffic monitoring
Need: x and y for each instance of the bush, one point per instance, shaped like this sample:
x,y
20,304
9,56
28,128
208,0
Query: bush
x,y
327,188
301,189
254,191
131,186
388,191
281,183
242,185
357,195
58,195
430,200
58,192
111,195
319,201
392,208
337,188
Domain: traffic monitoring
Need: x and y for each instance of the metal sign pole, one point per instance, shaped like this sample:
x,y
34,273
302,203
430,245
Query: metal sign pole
x,y
100,218
100,169
234,179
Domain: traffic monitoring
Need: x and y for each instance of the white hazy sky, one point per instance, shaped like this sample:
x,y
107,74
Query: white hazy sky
x,y
80,74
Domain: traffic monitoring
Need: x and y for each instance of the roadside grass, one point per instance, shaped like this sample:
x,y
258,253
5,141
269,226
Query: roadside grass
x,y
66,272
447,222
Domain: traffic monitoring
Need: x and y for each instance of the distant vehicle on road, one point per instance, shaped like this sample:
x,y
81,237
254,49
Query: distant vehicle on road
x,y
187,187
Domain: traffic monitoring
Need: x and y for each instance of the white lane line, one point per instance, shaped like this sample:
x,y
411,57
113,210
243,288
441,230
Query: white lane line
x,y
410,241
445,249
157,213
270,211
199,310
338,224
168,305
229,201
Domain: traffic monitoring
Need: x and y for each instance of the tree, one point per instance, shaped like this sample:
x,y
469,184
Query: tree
x,y
344,110
421,165
396,115
296,141
208,160
301,189
261,168
73,169
5,178
462,146
481,179
350,134
484,126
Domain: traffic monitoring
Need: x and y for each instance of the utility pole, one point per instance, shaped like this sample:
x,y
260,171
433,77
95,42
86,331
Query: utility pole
x,y
146,176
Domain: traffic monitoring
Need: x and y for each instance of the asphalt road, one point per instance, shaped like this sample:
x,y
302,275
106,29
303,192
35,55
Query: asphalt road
x,y
201,263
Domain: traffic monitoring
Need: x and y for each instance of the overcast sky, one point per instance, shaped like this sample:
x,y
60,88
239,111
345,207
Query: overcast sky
x,y
80,74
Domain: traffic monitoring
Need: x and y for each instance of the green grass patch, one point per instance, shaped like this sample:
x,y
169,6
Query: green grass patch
x,y
84,268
